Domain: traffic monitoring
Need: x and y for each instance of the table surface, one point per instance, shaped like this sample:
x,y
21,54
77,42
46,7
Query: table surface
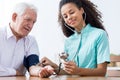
x,y
61,77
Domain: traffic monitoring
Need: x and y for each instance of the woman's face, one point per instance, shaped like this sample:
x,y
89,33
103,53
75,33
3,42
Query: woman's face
x,y
72,15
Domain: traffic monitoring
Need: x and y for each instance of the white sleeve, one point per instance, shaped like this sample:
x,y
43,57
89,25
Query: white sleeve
x,y
6,71
31,46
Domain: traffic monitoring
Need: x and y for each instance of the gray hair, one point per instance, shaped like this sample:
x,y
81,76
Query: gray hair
x,y
21,7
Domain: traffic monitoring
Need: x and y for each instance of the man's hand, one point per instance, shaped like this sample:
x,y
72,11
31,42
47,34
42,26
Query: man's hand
x,y
41,71
46,71
18,73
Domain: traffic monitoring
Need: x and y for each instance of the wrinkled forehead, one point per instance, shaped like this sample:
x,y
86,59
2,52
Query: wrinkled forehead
x,y
30,14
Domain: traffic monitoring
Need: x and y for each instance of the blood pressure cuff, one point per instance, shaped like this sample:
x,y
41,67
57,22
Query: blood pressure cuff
x,y
30,60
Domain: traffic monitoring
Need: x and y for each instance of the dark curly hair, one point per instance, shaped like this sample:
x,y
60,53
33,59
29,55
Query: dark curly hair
x,y
93,16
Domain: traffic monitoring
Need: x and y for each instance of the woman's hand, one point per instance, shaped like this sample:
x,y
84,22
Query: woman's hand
x,y
70,67
45,61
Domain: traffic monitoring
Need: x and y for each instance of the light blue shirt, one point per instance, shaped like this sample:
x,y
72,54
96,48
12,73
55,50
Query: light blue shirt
x,y
89,48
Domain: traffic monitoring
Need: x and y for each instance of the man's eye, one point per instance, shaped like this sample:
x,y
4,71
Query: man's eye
x,y
71,12
28,19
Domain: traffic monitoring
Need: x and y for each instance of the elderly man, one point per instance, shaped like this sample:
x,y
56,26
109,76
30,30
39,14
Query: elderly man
x,y
18,49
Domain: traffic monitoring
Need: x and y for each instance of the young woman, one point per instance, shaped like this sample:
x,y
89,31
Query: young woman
x,y
87,41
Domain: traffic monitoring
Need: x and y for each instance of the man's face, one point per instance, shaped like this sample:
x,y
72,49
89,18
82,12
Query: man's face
x,y
23,24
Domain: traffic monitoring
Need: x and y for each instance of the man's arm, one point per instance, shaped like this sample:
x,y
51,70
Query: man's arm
x,y
6,71
41,71
31,63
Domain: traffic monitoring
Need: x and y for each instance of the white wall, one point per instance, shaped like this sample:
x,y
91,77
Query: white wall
x,y
48,32
111,15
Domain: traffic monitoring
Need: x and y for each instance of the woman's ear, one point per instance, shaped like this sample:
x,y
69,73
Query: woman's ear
x,y
83,13
82,10
14,16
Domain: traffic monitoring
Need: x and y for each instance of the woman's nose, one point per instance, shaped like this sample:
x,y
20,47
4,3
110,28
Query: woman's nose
x,y
69,17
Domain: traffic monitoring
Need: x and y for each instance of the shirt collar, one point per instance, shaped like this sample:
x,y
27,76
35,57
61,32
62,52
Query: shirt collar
x,y
9,32
86,28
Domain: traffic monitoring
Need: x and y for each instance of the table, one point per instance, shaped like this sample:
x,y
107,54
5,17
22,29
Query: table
x,y
62,77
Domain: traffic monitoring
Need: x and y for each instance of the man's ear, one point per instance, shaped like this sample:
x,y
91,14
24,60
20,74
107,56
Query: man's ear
x,y
14,16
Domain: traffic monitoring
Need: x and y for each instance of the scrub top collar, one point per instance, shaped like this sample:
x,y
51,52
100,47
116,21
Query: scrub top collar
x,y
85,29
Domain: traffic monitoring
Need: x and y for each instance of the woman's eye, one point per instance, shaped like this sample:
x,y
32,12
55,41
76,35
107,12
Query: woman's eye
x,y
70,13
64,16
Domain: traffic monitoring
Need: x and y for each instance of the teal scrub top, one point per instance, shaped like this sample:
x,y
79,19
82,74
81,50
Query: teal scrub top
x,y
88,48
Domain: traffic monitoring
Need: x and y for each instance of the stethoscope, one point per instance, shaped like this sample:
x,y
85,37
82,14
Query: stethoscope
x,y
64,56
80,41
